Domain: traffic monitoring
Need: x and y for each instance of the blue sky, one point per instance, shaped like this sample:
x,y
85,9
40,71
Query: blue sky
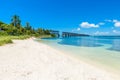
x,y
96,17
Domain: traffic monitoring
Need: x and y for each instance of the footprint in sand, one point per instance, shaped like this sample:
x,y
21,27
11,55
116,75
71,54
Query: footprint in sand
x,y
26,74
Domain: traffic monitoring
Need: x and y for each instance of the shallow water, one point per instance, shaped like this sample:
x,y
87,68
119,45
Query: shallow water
x,y
100,51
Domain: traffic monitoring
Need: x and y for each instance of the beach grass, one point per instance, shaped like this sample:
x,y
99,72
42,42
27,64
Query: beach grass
x,y
21,37
5,40
8,39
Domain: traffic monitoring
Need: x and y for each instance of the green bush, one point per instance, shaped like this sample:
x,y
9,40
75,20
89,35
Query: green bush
x,y
53,35
3,33
8,39
5,40
20,37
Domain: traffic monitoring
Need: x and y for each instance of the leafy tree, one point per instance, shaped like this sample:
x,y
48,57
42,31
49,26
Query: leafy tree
x,y
40,31
53,35
3,33
4,27
28,27
10,29
15,28
47,32
16,21
33,31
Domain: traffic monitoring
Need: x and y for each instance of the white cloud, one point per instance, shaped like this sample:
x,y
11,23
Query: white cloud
x,y
88,25
108,20
117,24
116,32
101,33
115,21
78,29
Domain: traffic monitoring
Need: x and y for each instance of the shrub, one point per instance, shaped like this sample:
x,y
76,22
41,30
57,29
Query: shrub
x,y
5,40
3,33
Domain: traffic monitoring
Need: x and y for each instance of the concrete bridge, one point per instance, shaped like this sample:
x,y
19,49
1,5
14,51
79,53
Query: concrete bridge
x,y
66,34
69,34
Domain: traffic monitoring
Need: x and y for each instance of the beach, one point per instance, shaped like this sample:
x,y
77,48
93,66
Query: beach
x,y
31,60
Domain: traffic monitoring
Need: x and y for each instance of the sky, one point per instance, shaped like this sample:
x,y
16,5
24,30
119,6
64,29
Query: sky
x,y
95,17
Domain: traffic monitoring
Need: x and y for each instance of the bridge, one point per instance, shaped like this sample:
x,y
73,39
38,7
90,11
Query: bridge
x,y
69,34
66,34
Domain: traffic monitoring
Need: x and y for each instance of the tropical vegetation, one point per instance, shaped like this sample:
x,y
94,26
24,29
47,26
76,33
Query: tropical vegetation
x,y
15,30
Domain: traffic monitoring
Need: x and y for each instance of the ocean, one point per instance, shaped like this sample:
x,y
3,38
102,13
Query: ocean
x,y
101,51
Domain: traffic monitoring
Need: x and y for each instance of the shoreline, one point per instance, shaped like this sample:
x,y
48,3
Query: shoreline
x,y
28,59
102,67
82,59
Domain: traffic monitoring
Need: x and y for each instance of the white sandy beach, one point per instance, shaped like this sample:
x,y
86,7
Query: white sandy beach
x,y
30,60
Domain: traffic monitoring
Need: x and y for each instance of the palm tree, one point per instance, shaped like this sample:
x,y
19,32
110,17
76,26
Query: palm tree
x,y
16,21
28,27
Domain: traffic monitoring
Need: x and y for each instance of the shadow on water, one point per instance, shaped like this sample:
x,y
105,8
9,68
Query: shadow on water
x,y
93,42
115,45
80,41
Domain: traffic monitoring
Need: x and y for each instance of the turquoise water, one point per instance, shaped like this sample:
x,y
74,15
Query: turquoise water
x,y
101,51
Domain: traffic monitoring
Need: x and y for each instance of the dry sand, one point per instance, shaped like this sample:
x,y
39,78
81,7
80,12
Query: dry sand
x,y
30,60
